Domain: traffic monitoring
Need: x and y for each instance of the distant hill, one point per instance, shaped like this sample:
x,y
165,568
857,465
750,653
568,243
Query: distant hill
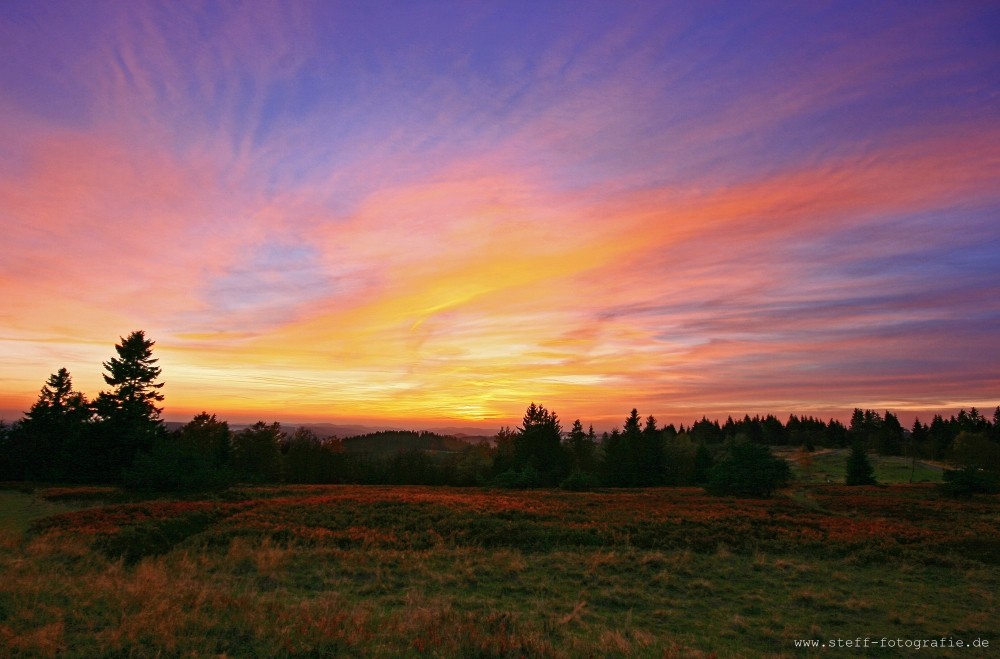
x,y
360,438
394,441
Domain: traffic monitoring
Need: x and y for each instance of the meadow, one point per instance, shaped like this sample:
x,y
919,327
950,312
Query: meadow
x,y
418,571
830,465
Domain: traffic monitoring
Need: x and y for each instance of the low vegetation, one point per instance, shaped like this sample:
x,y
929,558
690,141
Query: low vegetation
x,y
417,571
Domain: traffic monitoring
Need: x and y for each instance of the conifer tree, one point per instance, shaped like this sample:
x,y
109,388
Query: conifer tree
x,y
48,438
649,455
538,445
859,469
129,418
581,445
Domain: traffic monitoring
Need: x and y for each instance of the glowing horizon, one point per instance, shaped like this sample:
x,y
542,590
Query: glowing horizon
x,y
436,214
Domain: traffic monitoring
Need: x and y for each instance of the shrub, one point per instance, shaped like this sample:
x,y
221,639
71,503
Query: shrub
x,y
518,479
748,470
969,480
579,481
172,466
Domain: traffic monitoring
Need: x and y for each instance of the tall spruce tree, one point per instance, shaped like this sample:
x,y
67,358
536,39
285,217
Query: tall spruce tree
x,y
538,446
581,446
631,446
129,418
649,455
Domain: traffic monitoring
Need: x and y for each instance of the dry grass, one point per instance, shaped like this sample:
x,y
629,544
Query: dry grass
x,y
250,593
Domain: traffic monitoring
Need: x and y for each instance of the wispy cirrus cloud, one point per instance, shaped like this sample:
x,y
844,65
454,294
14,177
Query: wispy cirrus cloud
x,y
429,213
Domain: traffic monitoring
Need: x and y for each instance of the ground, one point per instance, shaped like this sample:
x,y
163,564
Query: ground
x,y
416,571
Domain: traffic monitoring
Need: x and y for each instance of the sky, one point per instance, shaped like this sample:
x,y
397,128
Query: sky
x,y
425,213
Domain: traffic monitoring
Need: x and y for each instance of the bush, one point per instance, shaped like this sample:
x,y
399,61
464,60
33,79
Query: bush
x,y
978,458
135,542
968,481
518,479
579,481
748,470
171,466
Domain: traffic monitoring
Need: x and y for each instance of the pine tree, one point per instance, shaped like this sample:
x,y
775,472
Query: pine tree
x,y
133,375
129,418
48,439
859,469
649,455
631,445
581,446
538,446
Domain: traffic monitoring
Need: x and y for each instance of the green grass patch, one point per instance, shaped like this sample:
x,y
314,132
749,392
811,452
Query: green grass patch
x,y
831,467
18,510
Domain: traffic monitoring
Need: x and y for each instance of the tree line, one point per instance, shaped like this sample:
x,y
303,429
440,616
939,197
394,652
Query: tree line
x,y
119,437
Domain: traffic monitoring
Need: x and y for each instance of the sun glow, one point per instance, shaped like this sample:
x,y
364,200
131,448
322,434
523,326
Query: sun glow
x,y
376,228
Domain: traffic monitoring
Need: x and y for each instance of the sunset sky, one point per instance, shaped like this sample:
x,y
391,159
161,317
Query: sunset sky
x,y
418,214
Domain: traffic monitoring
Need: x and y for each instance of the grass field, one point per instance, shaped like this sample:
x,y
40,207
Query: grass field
x,y
830,465
412,571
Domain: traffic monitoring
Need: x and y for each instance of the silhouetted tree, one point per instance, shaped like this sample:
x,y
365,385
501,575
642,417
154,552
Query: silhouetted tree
x,y
772,432
978,460
538,446
581,446
836,434
859,469
257,452
129,420
890,435
859,427
972,422
195,457
209,437
940,437
805,431
304,458
504,452
631,446
750,470
649,455
47,442
621,452
706,432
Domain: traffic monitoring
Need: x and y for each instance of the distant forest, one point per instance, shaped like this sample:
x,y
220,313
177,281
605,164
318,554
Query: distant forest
x,y
120,438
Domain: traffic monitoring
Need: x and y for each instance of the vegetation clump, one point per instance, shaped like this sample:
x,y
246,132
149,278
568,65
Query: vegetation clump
x,y
748,470
859,468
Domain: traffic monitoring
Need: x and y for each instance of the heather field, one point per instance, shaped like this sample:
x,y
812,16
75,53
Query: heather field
x,y
418,571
